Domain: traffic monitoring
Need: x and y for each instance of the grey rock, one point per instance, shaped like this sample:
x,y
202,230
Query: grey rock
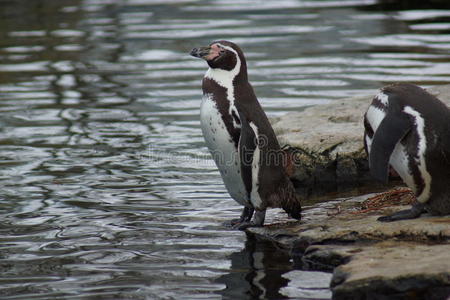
x,y
404,270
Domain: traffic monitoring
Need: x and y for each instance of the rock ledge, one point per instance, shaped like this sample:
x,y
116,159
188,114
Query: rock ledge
x,y
407,259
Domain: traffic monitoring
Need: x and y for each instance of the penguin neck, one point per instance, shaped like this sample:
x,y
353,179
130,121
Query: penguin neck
x,y
229,79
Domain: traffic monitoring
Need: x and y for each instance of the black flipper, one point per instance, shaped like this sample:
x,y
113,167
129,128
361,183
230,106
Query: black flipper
x,y
391,130
415,212
247,146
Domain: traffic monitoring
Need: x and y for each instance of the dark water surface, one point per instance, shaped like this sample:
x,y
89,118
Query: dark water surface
x,y
107,189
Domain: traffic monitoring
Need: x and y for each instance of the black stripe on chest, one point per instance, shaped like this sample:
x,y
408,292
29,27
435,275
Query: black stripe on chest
x,y
223,105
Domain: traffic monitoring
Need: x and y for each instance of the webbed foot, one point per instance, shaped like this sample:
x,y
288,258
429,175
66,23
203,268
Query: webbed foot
x,y
231,223
258,221
245,217
245,225
414,212
245,220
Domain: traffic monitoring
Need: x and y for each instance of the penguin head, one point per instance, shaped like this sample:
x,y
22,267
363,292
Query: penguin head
x,y
296,212
293,208
222,54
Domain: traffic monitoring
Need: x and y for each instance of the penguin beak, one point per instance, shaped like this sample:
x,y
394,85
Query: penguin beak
x,y
201,52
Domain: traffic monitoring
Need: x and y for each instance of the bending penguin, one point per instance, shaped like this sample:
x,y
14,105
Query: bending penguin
x,y
408,129
240,137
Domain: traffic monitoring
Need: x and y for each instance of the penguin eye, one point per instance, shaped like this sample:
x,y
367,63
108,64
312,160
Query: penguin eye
x,y
222,51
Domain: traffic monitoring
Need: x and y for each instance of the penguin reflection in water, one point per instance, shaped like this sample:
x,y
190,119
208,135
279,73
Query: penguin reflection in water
x,y
408,129
240,137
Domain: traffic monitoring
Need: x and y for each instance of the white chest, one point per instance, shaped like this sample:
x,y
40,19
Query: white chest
x,y
223,149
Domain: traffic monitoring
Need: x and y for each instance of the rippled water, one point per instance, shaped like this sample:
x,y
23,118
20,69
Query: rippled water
x,y
108,191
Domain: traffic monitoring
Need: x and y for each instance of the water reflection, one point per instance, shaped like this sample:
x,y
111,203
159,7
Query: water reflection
x,y
262,271
107,188
255,272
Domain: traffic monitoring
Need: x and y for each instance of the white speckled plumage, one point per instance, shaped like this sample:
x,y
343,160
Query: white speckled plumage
x,y
223,149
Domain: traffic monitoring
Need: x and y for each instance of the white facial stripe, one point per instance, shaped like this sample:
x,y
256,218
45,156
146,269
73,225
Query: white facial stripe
x,y
228,48
255,199
422,147
225,79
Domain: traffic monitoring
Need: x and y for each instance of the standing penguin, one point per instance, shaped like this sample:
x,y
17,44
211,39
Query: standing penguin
x,y
240,137
409,129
